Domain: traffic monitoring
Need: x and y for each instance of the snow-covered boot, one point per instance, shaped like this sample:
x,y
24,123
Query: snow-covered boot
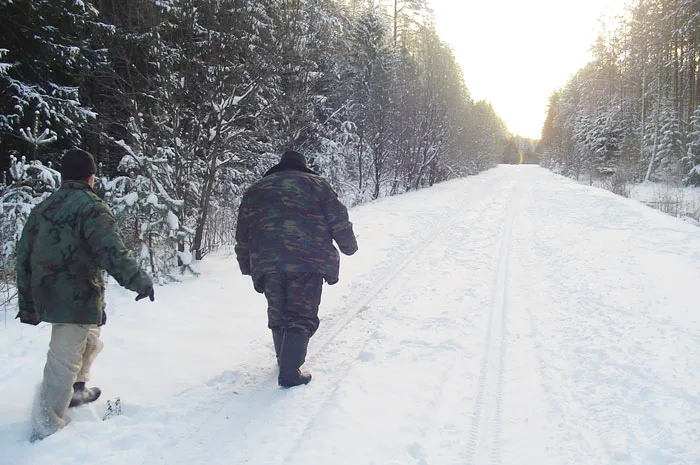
x,y
277,336
36,436
83,395
292,356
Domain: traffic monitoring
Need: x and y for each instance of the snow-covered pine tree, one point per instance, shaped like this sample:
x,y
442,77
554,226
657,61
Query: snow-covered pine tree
x,y
4,65
691,160
144,208
605,140
30,182
407,17
645,73
47,56
670,150
370,75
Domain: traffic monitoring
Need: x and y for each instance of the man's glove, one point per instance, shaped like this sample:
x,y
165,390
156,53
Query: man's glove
x,y
148,293
28,319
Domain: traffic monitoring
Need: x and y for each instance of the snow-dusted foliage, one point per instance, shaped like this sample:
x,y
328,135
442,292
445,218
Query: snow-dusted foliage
x,y
146,209
4,66
30,183
185,103
670,149
630,112
46,55
692,157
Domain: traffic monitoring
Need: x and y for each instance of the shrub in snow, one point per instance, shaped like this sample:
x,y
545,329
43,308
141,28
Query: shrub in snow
x,y
31,183
148,214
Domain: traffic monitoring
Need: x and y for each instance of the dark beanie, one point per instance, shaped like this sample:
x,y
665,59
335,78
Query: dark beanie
x,y
293,157
77,165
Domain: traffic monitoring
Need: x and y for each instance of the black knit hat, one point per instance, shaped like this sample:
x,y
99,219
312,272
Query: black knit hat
x,y
77,165
294,157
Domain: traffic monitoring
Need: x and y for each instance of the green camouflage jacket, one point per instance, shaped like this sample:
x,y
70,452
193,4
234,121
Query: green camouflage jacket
x,y
67,244
287,222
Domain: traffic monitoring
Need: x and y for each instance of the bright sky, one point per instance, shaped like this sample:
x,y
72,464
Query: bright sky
x,y
515,53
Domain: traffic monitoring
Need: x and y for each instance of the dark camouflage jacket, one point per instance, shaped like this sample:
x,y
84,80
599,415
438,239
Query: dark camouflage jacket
x,y
68,242
287,222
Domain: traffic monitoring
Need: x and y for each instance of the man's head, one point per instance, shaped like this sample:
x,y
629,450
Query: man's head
x,y
293,157
78,165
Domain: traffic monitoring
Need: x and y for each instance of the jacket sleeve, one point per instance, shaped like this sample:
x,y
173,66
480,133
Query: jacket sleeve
x,y
241,248
100,232
27,312
338,221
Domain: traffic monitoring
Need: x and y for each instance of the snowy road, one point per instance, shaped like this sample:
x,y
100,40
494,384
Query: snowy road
x,y
510,318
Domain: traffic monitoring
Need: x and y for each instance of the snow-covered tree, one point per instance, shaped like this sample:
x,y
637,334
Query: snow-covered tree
x,y
670,150
637,97
370,75
48,53
31,182
147,212
691,160
407,18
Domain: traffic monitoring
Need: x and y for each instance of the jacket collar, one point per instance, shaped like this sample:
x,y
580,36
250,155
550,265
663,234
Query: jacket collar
x,y
289,164
77,185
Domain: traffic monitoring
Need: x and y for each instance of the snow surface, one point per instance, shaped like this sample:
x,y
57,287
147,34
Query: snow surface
x,y
682,202
515,317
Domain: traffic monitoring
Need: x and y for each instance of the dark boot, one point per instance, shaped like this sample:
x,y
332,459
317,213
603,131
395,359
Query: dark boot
x,y
277,336
82,395
292,357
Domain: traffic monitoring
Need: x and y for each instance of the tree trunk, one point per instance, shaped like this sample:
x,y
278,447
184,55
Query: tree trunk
x,y
656,131
377,178
359,160
396,19
204,209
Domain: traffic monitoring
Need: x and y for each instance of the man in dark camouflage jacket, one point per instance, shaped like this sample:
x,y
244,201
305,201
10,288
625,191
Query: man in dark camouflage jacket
x,y
68,242
287,222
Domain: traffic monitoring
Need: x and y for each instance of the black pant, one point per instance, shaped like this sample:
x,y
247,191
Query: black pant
x,y
292,301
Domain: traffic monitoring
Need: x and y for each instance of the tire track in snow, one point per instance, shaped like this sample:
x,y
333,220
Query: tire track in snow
x,y
484,436
445,438
450,379
364,302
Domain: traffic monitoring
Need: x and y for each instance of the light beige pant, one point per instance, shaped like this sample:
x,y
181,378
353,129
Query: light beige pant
x,y
72,350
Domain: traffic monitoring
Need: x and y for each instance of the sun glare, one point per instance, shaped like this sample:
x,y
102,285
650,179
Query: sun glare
x,y
514,54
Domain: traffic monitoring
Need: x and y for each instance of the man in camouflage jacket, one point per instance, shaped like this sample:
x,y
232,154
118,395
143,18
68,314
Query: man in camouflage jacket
x,y
287,223
68,242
